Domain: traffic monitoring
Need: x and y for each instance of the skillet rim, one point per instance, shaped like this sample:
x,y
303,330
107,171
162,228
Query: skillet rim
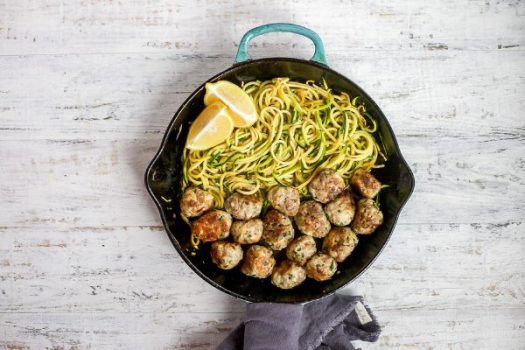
x,y
169,130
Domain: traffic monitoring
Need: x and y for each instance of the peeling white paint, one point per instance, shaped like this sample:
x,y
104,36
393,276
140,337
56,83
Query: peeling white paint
x,y
87,89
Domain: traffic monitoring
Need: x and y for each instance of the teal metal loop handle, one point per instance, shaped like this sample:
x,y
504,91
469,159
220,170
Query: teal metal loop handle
x,y
242,53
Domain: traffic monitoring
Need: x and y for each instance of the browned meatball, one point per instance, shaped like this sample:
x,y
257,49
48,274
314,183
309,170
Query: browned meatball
x,y
368,217
278,230
326,185
288,275
321,267
258,262
365,183
285,199
226,255
243,207
341,210
247,232
340,243
195,201
311,219
301,249
212,226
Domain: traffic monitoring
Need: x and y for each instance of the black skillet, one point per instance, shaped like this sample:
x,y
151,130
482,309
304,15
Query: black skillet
x,y
164,172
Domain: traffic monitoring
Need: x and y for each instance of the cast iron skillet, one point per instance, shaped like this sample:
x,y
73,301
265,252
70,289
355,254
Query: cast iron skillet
x,y
164,173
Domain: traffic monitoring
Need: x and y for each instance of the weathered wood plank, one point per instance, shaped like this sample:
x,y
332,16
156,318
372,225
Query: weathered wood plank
x,y
451,329
132,269
135,95
101,331
190,27
100,183
86,270
448,266
407,329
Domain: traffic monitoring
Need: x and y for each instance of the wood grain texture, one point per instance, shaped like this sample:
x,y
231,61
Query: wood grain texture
x,y
88,87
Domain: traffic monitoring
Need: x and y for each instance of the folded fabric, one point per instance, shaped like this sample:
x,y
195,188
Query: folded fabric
x,y
327,324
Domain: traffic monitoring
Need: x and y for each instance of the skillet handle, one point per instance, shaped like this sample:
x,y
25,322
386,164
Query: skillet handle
x,y
319,55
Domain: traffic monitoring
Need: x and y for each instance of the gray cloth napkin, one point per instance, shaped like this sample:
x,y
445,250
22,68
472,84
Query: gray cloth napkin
x,y
327,324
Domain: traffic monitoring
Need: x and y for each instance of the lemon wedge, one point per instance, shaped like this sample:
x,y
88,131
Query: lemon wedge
x,y
240,104
213,126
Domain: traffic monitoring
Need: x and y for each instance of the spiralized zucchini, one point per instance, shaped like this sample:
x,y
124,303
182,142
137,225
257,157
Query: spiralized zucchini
x,y
302,128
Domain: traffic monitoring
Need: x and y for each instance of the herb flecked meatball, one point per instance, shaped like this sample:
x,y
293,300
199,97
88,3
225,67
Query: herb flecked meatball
x,y
226,255
212,226
321,267
285,199
258,262
365,183
326,185
195,201
341,210
243,207
301,249
339,243
368,217
248,231
288,275
278,230
311,219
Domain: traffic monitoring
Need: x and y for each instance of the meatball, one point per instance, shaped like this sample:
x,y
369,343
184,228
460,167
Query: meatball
x,y
340,243
288,275
226,255
243,207
212,226
326,185
321,267
341,210
311,219
368,217
258,262
365,183
247,232
285,199
278,230
301,249
195,201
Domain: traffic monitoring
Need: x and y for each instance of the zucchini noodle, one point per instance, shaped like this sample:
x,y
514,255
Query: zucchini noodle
x,y
302,128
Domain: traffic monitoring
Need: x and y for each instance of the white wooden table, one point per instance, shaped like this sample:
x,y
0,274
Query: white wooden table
x,y
88,87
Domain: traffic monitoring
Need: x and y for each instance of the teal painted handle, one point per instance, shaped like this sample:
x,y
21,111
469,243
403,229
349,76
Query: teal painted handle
x,y
242,53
